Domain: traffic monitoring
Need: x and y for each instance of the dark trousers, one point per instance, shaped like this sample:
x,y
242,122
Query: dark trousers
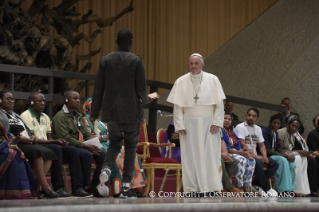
x,y
86,159
312,172
79,161
228,170
261,176
117,132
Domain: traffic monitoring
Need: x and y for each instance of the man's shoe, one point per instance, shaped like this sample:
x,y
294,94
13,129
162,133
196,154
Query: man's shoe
x,y
63,194
103,188
314,194
127,194
51,195
81,193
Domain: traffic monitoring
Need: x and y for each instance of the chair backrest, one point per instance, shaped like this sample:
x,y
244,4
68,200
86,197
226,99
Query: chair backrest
x,y
160,135
143,137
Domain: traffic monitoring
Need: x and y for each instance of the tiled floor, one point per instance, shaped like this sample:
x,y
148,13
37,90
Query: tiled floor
x,y
302,204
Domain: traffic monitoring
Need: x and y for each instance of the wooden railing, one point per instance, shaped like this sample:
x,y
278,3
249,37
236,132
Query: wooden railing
x,y
154,86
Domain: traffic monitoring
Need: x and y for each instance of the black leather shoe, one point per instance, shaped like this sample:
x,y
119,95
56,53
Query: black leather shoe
x,y
314,194
63,193
51,195
81,193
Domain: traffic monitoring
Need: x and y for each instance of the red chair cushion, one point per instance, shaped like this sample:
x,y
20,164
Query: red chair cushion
x,y
160,160
94,162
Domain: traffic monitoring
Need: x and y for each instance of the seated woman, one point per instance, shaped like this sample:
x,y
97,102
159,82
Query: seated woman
x,y
139,178
286,174
293,144
246,166
40,158
16,178
172,137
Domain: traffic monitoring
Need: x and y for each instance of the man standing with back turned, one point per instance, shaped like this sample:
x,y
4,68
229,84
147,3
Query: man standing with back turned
x,y
198,115
121,79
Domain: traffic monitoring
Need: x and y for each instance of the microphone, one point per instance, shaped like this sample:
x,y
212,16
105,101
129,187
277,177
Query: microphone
x,y
160,113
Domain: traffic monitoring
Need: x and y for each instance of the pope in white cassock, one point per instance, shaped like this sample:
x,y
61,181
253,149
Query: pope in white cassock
x,y
198,114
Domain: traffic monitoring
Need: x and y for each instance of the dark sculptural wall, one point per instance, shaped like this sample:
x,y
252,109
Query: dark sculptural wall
x,y
167,31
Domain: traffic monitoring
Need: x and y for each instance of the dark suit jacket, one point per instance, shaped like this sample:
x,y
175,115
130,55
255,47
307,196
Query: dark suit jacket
x,y
313,140
121,79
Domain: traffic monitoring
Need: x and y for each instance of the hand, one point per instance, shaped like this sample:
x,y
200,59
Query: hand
x,y
313,156
226,157
12,146
214,129
34,139
265,160
61,142
304,153
291,158
175,136
93,149
92,120
153,95
182,132
25,140
248,155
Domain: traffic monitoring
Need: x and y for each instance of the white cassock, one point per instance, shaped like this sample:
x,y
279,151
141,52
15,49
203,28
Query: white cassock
x,y
200,150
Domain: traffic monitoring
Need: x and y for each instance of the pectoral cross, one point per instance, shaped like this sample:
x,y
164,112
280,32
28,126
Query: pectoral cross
x,y
196,97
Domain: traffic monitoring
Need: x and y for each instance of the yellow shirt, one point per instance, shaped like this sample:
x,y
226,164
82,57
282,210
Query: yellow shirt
x,y
40,127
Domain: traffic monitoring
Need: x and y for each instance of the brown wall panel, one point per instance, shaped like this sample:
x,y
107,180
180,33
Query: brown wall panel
x,y
166,32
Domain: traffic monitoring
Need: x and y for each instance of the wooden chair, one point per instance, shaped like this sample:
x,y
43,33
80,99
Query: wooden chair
x,y
143,152
158,162
160,135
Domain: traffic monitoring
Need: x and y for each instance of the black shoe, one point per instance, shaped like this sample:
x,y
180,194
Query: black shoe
x,y
81,193
314,194
51,195
63,193
127,194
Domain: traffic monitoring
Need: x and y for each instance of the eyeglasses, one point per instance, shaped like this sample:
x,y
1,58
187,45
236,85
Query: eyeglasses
x,y
10,99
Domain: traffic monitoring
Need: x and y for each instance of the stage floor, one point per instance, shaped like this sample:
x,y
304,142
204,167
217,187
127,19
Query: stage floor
x,y
162,204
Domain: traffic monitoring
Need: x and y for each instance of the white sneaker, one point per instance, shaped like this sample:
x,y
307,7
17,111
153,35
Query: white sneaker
x,y
272,193
103,188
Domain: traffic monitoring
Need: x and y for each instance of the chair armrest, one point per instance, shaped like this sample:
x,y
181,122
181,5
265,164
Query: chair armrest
x,y
143,143
161,145
146,151
170,145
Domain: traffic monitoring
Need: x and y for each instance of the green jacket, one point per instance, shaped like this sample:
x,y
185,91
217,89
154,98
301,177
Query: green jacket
x,y
64,127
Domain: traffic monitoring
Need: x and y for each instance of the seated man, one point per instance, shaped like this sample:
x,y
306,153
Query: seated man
x,y
249,135
229,107
39,124
286,102
69,125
